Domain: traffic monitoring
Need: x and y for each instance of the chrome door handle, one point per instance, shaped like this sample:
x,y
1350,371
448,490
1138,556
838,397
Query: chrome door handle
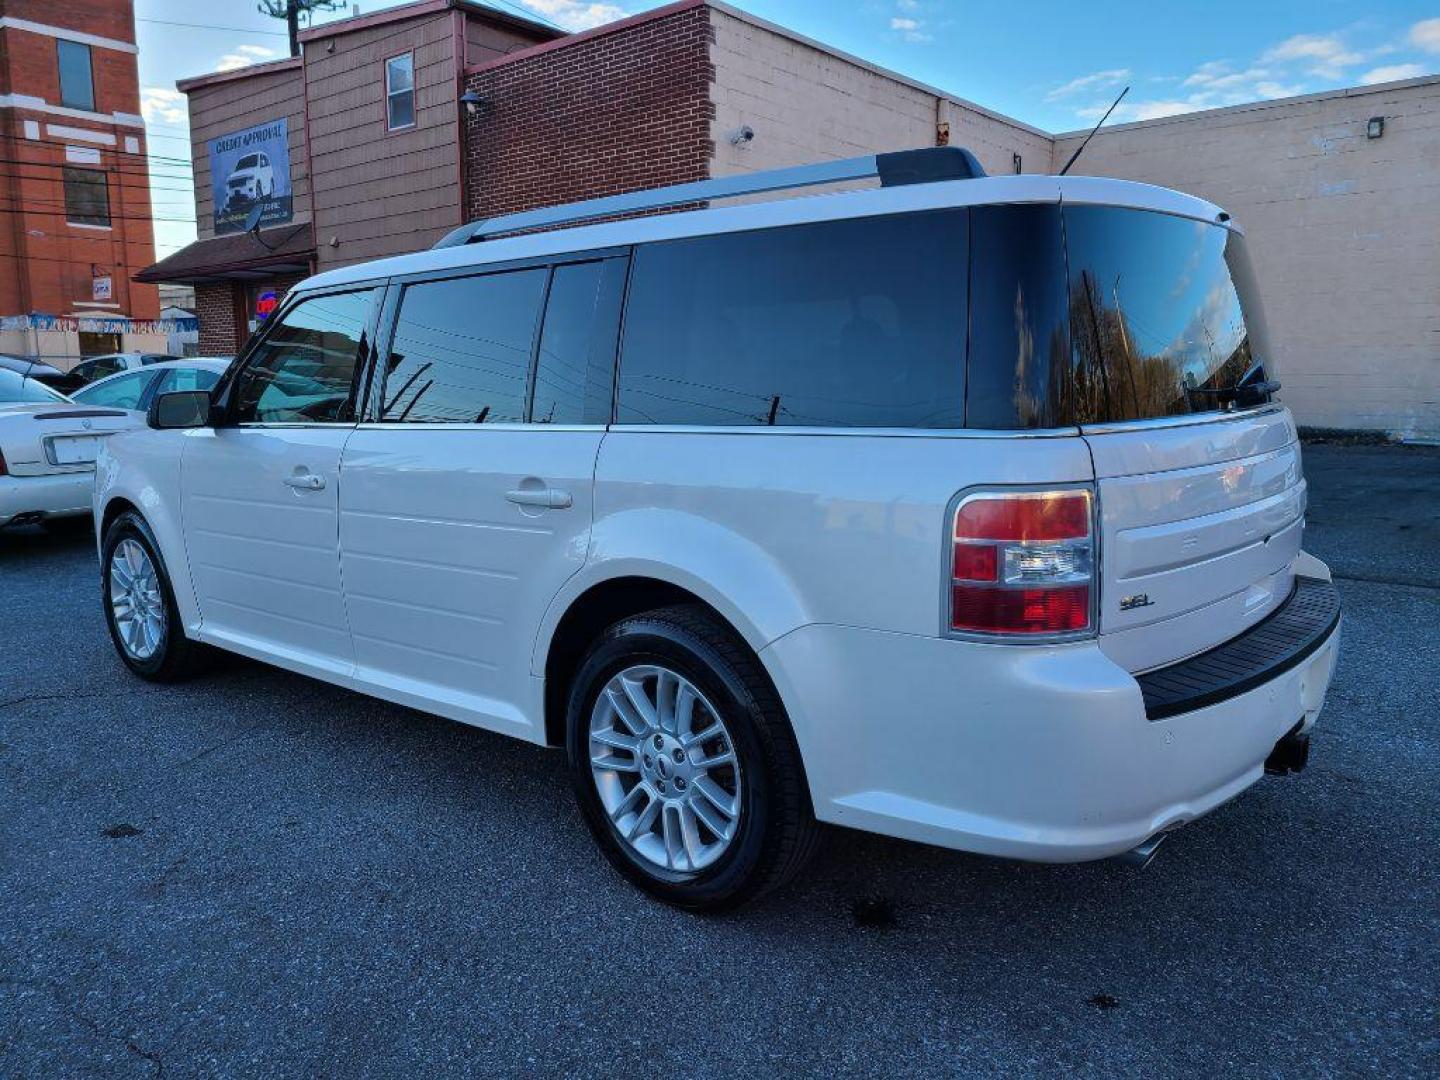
x,y
549,498
306,482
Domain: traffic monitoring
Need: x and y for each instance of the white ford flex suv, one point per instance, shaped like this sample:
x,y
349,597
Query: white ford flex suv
x,y
955,508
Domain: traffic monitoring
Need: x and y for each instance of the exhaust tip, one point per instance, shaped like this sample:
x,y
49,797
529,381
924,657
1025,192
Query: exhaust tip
x,y
1141,855
1291,755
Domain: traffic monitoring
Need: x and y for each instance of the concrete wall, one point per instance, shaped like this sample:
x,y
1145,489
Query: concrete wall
x,y
807,102
1344,231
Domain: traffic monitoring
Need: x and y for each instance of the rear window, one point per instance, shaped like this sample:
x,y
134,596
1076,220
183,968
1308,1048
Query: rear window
x,y
1104,314
857,323
15,387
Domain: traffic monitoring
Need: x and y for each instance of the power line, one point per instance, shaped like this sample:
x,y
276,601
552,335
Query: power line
x,y
211,26
120,176
533,16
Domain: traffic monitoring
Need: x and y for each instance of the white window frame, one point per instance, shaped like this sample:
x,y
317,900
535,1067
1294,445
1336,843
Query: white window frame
x,y
391,94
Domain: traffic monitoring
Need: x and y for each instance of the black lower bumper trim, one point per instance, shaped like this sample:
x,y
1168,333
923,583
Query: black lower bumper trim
x,y
1268,649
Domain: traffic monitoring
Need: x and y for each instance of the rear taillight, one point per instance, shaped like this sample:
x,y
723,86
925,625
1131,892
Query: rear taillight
x,y
4,471
1022,563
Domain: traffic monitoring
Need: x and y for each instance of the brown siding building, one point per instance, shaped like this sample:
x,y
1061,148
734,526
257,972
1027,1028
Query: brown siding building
x,y
74,188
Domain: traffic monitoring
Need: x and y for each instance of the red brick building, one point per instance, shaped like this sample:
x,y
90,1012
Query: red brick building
x,y
74,187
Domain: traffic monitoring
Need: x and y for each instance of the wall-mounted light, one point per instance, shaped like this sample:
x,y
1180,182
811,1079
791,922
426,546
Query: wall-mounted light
x,y
473,103
1375,127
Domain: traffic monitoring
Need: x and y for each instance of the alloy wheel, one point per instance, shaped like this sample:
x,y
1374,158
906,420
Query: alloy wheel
x,y
665,768
136,602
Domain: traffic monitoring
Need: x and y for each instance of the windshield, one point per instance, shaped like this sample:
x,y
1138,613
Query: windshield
x,y
14,387
1096,314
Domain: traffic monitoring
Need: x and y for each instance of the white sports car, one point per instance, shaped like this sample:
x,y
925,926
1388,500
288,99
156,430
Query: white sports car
x,y
48,442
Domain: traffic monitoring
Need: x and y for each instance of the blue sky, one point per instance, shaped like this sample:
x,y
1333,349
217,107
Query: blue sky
x,y
1053,64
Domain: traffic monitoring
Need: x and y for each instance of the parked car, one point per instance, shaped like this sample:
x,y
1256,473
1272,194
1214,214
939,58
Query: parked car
x,y
100,367
960,509
48,442
33,370
252,179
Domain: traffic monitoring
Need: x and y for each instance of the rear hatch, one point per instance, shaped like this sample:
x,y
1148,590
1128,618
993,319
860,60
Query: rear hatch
x,y
41,440
1201,495
1129,313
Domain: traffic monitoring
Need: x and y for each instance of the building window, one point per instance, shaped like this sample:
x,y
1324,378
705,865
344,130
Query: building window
x,y
87,198
400,92
77,87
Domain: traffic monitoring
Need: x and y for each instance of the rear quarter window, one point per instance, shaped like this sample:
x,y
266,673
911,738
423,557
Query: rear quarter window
x,y
856,323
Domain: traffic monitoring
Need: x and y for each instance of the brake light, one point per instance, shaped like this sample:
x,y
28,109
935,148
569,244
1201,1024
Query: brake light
x,y
1022,563
4,470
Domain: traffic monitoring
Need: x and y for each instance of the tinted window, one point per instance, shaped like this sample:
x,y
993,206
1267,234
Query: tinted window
x,y
1161,310
87,199
575,371
1019,352
249,161
121,392
15,387
304,369
855,323
461,349
77,89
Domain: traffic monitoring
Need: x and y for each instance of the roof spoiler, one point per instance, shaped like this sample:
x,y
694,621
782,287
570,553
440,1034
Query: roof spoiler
x,y
926,166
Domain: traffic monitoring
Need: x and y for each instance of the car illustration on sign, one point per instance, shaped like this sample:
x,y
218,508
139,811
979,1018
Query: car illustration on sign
x,y
252,179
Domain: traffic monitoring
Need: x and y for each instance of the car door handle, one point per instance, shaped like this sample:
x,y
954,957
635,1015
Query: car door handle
x,y
550,498
306,482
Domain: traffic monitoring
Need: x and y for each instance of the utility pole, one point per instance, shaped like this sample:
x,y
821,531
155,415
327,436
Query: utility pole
x,y
291,10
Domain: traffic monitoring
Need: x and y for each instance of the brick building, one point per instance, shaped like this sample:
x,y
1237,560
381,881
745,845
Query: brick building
x,y
385,159
74,188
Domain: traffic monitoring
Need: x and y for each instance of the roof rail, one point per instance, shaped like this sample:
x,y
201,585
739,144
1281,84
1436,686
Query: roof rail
x,y
901,167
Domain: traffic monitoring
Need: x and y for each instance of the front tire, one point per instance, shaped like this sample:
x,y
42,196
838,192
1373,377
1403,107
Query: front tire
x,y
140,607
684,763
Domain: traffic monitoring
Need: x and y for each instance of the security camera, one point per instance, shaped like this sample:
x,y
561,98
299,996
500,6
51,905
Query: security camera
x,y
742,135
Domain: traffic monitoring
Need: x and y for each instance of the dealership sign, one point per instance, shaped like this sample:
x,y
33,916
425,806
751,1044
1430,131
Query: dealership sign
x,y
251,169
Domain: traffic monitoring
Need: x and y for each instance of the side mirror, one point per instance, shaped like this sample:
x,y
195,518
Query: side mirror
x,y
180,409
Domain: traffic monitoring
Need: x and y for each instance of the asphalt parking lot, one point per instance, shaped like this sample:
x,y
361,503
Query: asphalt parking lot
x,y
257,873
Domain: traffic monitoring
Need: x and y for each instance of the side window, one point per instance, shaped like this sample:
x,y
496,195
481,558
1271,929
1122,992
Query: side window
x,y
85,372
178,379
574,375
858,323
461,349
1019,343
304,369
87,197
400,92
121,392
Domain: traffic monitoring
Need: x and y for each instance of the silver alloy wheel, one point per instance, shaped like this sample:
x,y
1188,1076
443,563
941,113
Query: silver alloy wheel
x,y
136,603
665,768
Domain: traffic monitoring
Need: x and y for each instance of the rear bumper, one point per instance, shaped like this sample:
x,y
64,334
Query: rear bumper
x,y
52,496
1041,753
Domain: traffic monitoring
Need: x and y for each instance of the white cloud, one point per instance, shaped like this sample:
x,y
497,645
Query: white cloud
x,y
245,55
1391,73
1426,35
1096,81
576,14
904,24
1326,54
161,106
912,30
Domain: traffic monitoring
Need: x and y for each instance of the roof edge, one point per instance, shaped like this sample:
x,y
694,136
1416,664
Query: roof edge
x,y
841,54
1268,103
196,82
662,12
420,8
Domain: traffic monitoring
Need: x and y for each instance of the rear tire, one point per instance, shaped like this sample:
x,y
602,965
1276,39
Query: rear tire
x,y
709,807
139,604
